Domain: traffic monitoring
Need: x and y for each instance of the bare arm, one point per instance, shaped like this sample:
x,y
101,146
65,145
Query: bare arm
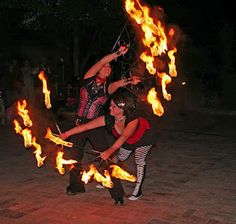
x,y
122,82
108,58
128,131
116,85
97,122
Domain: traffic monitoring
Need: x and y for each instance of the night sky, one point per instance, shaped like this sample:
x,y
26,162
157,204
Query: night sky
x,y
208,35
200,19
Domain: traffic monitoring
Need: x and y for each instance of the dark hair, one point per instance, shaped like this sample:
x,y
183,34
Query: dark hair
x,y
125,100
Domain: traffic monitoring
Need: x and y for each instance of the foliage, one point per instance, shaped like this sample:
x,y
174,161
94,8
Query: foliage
x,y
63,20
64,12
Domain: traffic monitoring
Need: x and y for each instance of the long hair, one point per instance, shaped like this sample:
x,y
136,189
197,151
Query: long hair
x,y
125,100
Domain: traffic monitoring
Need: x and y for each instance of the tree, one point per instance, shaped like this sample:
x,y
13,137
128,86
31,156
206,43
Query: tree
x,y
80,24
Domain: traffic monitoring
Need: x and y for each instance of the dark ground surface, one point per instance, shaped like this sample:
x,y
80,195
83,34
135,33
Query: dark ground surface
x,y
191,179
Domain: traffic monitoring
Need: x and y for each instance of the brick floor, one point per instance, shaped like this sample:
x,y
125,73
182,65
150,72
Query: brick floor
x,y
190,179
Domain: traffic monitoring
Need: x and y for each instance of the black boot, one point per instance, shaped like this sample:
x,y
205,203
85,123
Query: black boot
x,y
117,191
76,184
119,201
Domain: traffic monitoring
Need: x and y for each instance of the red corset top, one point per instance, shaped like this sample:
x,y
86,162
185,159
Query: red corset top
x,y
143,126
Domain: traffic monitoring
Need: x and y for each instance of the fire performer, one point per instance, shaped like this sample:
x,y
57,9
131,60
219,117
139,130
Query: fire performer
x,y
133,134
94,93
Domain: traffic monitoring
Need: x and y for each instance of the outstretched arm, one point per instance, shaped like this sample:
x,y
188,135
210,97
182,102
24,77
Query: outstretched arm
x,y
128,131
97,122
134,80
108,58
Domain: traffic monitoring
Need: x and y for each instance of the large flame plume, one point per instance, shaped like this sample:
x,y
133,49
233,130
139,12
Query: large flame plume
x,y
155,41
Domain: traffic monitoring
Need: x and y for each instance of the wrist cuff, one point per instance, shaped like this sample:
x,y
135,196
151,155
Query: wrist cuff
x,y
117,53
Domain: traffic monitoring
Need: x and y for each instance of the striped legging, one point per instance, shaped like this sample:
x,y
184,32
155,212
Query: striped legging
x,y
140,155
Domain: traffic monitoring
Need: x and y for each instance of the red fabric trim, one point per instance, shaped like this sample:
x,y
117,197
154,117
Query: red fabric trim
x,y
143,126
100,79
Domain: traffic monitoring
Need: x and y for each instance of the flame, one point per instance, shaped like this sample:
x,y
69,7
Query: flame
x,y
155,102
93,173
171,32
57,140
156,42
24,113
165,79
29,141
172,67
154,34
18,128
86,176
119,173
149,60
26,133
60,162
45,90
38,152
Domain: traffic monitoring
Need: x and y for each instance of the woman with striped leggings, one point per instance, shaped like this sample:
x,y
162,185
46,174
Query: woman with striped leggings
x,y
133,133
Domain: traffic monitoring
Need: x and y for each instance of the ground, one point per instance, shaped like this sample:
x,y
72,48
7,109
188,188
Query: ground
x,y
190,179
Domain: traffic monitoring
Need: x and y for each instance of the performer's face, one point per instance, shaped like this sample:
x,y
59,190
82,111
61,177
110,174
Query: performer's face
x,y
115,110
105,70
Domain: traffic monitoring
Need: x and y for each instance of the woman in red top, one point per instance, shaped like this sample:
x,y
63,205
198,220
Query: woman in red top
x,y
132,132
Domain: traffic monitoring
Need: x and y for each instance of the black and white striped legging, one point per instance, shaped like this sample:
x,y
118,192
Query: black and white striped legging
x,y
140,154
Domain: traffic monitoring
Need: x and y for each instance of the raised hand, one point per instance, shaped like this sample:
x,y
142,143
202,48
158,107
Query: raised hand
x,y
122,50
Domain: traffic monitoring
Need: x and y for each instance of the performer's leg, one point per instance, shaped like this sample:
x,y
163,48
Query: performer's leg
x,y
117,191
99,141
75,183
122,155
140,156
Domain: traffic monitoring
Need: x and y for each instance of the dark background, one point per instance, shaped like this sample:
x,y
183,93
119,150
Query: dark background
x,y
71,35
